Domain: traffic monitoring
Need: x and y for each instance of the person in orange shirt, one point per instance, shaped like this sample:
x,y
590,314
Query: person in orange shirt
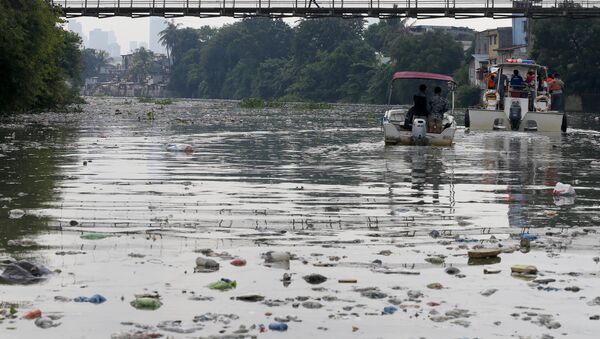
x,y
490,80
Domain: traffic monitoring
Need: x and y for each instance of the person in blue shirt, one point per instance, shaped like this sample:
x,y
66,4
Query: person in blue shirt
x,y
516,81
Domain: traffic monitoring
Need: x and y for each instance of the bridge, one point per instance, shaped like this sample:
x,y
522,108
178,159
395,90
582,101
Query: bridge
x,y
421,9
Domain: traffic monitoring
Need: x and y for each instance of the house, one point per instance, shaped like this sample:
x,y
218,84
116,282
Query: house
x,y
478,65
498,38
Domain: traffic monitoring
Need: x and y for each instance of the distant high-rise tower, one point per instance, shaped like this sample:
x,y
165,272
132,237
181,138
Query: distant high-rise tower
x,y
156,26
99,39
75,27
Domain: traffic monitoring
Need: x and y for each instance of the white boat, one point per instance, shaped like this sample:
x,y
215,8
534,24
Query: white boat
x,y
394,127
516,109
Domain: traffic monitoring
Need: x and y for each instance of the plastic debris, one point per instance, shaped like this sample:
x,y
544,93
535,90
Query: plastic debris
x,y
33,314
24,272
95,299
524,269
206,265
272,257
94,236
278,326
16,214
390,309
45,322
238,262
314,279
484,253
347,281
25,242
223,284
187,148
146,303
250,297
563,189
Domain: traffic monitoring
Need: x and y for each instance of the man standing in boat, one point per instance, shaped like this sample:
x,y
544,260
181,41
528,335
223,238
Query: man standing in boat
x,y
556,90
438,105
420,108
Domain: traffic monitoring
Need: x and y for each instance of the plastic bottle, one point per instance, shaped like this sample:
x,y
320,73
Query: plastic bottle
x,y
223,284
278,327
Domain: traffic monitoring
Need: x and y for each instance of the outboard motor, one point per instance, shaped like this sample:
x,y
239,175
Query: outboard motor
x,y
515,115
419,131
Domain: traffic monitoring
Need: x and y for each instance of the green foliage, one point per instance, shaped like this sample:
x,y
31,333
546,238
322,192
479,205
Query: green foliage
x,y
467,96
569,47
433,52
150,115
145,100
92,61
319,60
141,62
252,103
163,102
39,61
314,105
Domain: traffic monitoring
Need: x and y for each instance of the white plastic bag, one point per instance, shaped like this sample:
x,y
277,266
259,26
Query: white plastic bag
x,y
563,189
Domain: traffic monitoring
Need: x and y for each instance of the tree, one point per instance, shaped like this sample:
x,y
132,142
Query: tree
x,y
341,75
568,47
141,62
39,61
168,38
325,34
92,61
432,51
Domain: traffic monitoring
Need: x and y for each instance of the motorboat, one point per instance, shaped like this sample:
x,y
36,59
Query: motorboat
x,y
397,130
526,108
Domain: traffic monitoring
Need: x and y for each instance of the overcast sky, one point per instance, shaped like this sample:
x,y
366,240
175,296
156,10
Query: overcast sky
x,y
128,29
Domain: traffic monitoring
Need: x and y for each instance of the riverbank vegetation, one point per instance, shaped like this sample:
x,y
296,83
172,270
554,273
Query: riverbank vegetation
x,y
318,60
39,60
569,47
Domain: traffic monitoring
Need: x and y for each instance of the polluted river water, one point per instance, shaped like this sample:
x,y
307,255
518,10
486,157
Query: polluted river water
x,y
339,234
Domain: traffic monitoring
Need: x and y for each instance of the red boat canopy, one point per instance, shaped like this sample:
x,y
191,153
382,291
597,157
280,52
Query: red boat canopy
x,y
422,75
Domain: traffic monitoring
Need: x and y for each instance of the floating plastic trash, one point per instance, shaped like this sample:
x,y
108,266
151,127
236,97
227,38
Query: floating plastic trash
x,y
95,299
278,327
146,303
223,284
390,309
563,189
180,148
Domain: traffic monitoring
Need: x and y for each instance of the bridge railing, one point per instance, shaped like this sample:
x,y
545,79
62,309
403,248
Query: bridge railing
x,y
340,4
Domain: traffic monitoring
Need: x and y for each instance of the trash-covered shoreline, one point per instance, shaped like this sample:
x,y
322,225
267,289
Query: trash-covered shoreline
x,y
200,219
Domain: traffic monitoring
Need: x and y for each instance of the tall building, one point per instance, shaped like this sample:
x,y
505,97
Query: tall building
x,y
156,26
76,28
114,50
98,39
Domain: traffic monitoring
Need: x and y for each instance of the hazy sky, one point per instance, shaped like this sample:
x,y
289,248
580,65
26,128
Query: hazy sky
x,y
128,29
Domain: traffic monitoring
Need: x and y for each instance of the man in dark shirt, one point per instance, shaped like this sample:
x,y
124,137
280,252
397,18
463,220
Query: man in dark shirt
x,y
516,81
420,107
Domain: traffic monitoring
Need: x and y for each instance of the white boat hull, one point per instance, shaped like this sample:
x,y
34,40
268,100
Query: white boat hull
x,y
395,134
488,120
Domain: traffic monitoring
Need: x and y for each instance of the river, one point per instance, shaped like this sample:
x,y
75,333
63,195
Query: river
x,y
294,179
